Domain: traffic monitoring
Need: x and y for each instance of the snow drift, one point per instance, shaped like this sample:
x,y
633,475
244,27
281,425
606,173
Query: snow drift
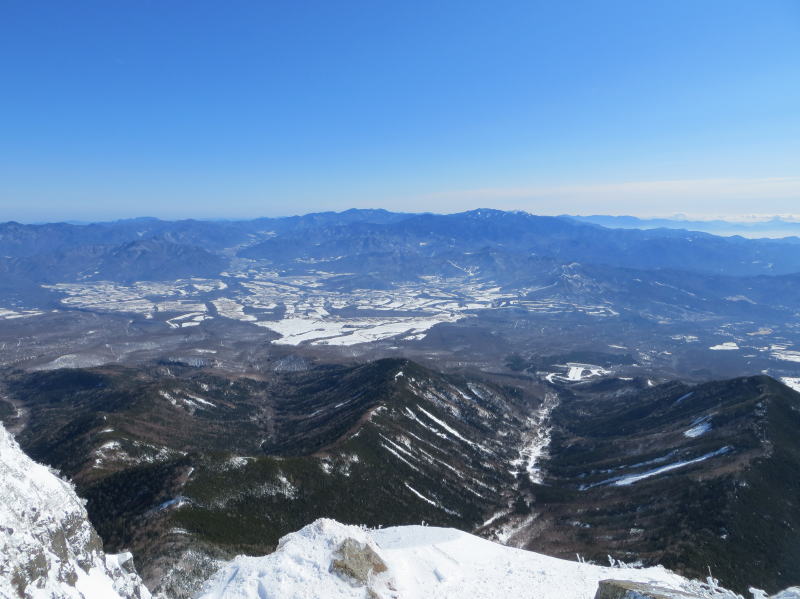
x,y
421,563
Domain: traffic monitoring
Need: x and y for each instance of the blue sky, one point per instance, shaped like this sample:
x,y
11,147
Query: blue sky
x,y
236,109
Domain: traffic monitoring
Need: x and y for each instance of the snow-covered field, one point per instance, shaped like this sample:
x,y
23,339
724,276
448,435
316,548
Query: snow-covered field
x,y
423,563
786,355
727,346
560,307
350,331
315,309
6,314
299,309
792,382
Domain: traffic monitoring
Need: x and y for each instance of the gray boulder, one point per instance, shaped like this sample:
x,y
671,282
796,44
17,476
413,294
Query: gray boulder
x,y
357,561
625,589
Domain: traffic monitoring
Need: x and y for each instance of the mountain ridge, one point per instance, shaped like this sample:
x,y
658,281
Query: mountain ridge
x,y
393,442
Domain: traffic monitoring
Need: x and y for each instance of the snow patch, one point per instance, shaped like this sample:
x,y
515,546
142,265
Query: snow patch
x,y
791,382
786,355
699,427
634,478
727,346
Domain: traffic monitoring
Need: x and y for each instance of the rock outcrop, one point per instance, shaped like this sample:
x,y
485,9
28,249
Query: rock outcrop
x,y
48,546
357,560
626,589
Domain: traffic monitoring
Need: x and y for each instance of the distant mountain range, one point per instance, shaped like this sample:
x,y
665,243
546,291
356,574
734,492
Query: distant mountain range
x,y
389,245
773,227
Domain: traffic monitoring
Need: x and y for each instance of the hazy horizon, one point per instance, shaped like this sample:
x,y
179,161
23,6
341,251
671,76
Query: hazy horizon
x,y
743,219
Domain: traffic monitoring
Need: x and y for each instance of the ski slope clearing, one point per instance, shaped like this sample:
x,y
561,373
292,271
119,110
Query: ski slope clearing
x,y
422,563
577,372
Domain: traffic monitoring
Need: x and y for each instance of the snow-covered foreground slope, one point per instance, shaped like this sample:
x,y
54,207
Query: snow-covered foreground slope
x,y
48,548
422,563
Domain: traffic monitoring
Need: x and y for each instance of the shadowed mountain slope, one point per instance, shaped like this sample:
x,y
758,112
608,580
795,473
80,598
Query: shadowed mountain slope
x,y
690,477
223,465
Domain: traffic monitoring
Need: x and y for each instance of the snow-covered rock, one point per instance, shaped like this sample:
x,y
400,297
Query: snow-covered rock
x,y
48,548
624,589
422,563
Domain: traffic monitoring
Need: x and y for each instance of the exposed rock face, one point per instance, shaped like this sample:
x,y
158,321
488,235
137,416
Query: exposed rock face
x,y
625,589
357,560
48,546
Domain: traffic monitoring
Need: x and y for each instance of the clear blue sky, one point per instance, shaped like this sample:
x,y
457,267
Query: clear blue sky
x,y
174,108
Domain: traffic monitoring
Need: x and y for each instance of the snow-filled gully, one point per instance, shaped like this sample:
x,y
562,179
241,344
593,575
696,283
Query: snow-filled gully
x,y
537,440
